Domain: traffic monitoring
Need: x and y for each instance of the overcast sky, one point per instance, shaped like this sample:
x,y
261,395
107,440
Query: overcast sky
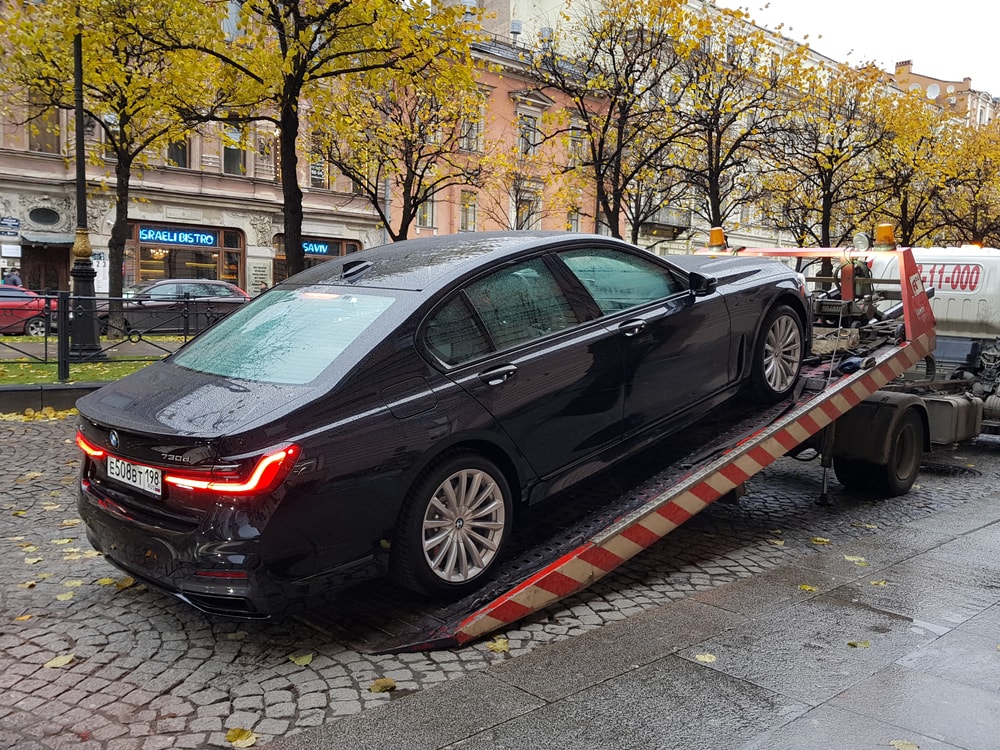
x,y
950,41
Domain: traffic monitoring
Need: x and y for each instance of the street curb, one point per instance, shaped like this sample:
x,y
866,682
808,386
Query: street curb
x,y
15,399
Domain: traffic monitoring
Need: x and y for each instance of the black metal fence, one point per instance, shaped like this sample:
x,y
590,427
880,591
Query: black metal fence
x,y
128,330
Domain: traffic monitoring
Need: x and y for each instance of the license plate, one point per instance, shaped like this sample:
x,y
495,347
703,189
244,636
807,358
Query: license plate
x,y
146,478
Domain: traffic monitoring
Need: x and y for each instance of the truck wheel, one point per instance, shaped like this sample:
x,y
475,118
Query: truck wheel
x,y
777,355
906,447
454,527
853,474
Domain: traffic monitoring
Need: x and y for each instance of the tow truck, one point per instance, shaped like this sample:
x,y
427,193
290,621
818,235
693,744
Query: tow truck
x,y
845,408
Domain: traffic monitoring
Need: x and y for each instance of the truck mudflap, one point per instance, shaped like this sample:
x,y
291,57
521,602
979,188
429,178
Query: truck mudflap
x,y
766,438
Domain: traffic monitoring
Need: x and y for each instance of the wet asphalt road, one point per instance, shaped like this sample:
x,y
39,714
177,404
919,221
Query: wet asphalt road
x,y
147,672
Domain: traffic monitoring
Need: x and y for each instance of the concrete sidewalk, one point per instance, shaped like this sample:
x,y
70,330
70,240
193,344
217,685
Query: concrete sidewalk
x,y
902,646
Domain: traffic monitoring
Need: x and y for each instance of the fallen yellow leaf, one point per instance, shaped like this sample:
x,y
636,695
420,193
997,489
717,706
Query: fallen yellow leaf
x,y
883,582
105,581
33,475
62,541
819,540
302,660
28,547
65,597
59,661
240,737
499,645
22,618
776,542
72,584
27,585
383,685
705,658
807,587
903,745
51,506
124,583
859,644
70,522
32,560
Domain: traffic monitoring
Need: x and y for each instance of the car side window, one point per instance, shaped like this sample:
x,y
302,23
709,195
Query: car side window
x,y
617,280
453,335
520,303
165,291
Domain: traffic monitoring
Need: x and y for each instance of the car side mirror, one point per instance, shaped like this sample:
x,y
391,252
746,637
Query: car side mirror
x,y
701,285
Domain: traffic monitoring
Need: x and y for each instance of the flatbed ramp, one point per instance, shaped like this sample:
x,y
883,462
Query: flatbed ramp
x,y
579,538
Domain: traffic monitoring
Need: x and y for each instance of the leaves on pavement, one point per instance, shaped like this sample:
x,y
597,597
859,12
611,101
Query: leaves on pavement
x,y
819,540
904,745
859,644
302,660
499,645
383,685
59,661
239,737
705,658
807,587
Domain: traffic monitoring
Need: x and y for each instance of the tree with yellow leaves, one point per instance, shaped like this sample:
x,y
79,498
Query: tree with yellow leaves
x,y
911,167
743,83
136,91
284,53
619,65
824,157
404,139
969,204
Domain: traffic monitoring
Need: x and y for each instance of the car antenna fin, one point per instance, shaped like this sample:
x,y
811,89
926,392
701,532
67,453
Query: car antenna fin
x,y
354,269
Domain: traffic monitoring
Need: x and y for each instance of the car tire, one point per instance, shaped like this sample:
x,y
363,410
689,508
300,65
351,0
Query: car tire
x,y
454,527
35,327
777,355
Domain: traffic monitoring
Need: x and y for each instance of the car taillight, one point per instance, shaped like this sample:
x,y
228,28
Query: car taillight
x,y
267,473
87,447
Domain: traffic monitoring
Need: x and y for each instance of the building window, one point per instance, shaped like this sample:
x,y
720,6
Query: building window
x,y
576,148
527,134
425,214
177,154
43,130
319,173
528,211
467,219
573,221
234,156
471,136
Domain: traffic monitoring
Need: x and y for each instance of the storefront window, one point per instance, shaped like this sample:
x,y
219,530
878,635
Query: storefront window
x,y
169,252
316,251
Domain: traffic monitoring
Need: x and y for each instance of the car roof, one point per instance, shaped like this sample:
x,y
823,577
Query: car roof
x,y
431,262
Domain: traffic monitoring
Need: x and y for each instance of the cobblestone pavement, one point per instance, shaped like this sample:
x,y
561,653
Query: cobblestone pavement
x,y
148,672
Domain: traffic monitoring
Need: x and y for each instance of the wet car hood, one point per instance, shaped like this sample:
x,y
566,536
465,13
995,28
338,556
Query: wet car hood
x,y
164,399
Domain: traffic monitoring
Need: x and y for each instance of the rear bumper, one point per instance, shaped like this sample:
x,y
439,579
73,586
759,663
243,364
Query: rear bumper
x,y
215,575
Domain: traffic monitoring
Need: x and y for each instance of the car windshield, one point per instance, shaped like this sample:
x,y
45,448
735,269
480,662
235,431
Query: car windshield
x,y
285,336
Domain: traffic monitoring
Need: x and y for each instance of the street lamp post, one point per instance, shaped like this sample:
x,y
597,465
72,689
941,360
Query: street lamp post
x,y
84,340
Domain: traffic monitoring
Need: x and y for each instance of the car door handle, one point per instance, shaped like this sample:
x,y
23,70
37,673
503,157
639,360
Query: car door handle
x,y
498,375
632,327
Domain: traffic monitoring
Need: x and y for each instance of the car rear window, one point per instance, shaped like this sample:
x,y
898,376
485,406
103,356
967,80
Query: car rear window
x,y
285,336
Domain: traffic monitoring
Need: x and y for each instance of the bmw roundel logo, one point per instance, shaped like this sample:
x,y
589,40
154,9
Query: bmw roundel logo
x,y
113,439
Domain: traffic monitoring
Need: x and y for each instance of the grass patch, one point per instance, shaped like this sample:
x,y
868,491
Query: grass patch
x,y
24,372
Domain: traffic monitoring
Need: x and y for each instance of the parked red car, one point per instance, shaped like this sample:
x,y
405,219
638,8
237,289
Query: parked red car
x,y
24,311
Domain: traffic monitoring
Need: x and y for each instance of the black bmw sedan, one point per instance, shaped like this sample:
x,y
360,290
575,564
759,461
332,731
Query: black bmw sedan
x,y
394,411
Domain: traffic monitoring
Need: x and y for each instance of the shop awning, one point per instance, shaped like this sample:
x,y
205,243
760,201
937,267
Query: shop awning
x,y
47,238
